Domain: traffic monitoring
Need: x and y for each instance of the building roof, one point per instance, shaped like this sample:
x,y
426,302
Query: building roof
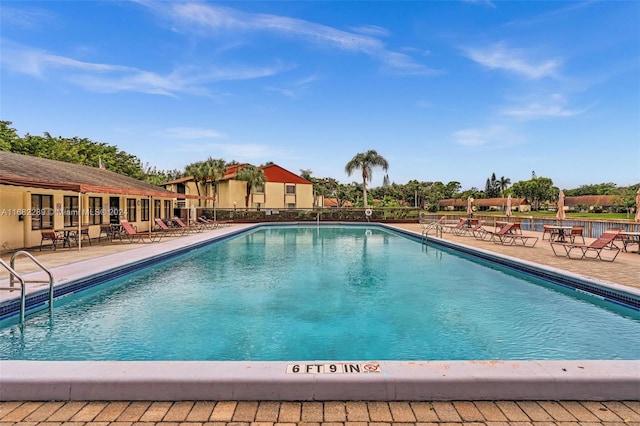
x,y
491,202
592,200
453,202
333,202
272,173
482,202
275,173
36,172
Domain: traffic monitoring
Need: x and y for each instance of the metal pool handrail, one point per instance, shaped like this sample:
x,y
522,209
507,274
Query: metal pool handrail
x,y
15,276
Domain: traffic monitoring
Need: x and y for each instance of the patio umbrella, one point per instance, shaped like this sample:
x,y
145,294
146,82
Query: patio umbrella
x,y
561,215
638,205
469,207
508,212
193,213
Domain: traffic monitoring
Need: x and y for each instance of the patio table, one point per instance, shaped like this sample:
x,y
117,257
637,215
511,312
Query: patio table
x,y
559,232
629,238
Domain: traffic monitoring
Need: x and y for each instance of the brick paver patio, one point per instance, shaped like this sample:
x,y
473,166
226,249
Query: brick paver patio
x,y
329,413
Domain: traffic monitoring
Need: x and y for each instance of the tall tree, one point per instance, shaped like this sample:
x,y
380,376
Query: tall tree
x,y
215,170
503,183
195,170
492,187
366,162
254,176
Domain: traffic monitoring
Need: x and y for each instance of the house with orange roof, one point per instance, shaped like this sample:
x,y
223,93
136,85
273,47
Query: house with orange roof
x,y
282,190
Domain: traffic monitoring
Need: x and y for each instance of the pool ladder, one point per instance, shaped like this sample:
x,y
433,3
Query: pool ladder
x,y
15,277
432,226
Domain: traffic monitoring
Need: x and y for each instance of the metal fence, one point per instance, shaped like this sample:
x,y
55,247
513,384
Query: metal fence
x,y
592,228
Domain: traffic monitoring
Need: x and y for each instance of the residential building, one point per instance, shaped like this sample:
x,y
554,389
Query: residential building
x,y
282,190
41,194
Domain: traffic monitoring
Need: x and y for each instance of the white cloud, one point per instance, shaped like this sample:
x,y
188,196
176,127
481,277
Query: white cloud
x,y
372,30
116,78
296,88
28,18
487,3
204,17
493,136
517,61
555,106
190,133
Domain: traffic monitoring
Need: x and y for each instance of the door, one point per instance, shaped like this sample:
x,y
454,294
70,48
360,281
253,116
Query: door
x,y
114,209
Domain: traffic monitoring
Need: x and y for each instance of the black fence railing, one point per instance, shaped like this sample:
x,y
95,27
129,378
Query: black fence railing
x,y
592,228
386,214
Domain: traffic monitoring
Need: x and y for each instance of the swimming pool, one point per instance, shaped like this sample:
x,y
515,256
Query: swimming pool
x,y
331,293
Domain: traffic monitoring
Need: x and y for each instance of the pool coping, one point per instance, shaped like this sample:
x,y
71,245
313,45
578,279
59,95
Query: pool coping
x,y
278,380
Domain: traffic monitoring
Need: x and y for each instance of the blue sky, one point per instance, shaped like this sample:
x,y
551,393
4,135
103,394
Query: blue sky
x,y
448,90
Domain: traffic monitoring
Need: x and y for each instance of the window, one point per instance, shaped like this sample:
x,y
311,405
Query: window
x,y
291,189
291,205
167,209
95,210
144,209
157,208
70,211
41,211
131,209
258,189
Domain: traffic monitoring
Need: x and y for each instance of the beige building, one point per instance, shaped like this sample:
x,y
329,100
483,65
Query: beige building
x,y
39,194
282,190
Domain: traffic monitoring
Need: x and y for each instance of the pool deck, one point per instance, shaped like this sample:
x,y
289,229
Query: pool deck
x,y
521,387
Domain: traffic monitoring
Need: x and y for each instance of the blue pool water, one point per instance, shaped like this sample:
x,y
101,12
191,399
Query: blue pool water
x,y
326,293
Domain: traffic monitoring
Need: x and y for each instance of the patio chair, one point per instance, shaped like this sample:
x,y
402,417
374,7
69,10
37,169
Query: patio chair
x,y
546,229
576,231
51,235
605,243
193,227
169,230
144,237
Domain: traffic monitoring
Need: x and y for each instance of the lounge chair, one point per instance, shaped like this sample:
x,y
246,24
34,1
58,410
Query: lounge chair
x,y
168,230
454,228
194,227
144,237
208,223
483,233
469,231
508,235
605,243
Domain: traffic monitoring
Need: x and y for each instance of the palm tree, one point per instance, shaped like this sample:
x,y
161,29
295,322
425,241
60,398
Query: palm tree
x,y
214,169
503,183
196,171
254,176
366,162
